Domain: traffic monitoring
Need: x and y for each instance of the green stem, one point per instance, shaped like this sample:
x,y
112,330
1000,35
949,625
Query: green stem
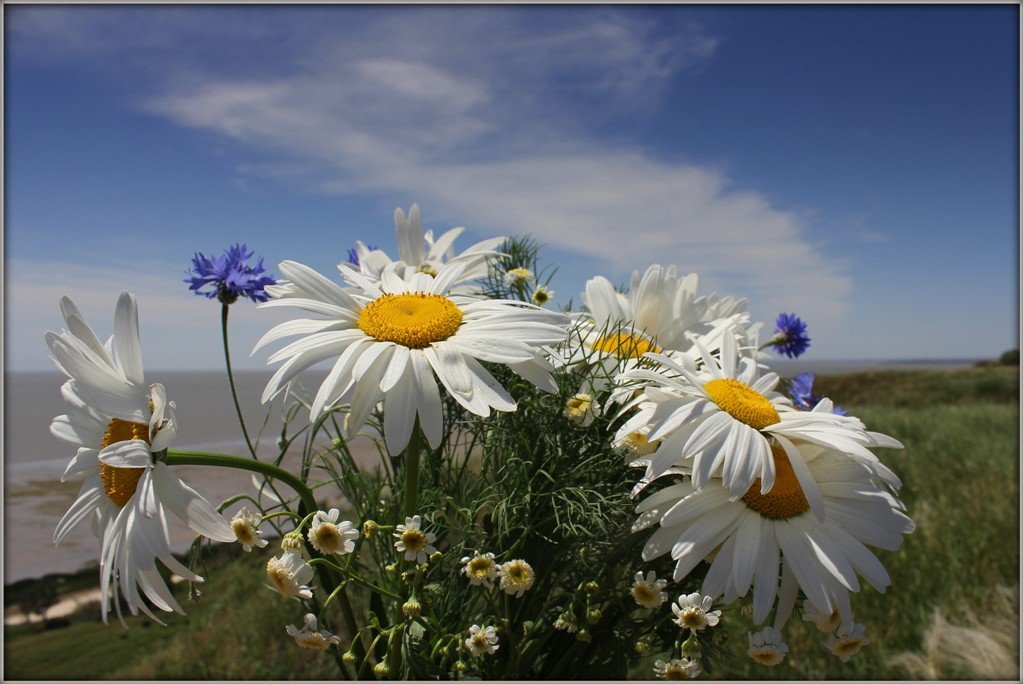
x,y
306,507
224,309
410,463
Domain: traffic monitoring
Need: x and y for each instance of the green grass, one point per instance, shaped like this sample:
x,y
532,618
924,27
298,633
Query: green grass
x,y
960,471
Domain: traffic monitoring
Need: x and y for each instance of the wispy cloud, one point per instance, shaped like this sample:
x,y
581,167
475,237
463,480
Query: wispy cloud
x,y
489,114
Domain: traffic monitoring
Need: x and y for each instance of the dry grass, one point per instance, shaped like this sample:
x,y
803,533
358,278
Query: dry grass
x,y
985,647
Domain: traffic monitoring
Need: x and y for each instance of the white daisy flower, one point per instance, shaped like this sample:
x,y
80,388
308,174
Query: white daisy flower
x,y
766,647
693,612
581,409
542,295
482,640
658,314
245,524
679,668
518,277
516,577
847,643
648,591
752,533
309,637
330,537
825,622
480,568
566,623
289,575
413,542
724,420
121,428
419,252
390,338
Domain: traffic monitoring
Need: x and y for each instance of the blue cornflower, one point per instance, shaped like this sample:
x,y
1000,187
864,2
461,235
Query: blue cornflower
x,y
803,398
790,336
230,276
353,254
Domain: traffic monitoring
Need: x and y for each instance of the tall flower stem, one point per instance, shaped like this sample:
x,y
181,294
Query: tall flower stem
x,y
410,463
306,507
224,309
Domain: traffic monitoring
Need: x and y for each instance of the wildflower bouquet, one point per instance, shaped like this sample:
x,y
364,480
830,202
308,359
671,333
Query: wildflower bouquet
x,y
552,495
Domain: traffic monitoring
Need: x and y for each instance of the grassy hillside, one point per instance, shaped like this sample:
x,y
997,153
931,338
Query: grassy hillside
x,y
961,474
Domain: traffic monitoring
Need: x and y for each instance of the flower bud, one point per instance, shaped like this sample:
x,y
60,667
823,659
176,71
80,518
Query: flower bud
x,y
643,647
369,529
391,569
381,670
591,588
349,658
593,616
412,608
460,666
292,542
436,557
584,636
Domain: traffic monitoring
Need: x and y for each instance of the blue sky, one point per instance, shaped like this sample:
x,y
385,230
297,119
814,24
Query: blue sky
x,y
857,165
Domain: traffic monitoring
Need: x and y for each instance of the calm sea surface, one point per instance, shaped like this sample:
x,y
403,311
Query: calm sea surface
x,y
35,499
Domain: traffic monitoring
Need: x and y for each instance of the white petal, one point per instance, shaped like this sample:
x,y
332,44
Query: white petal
x,y
188,505
126,339
132,453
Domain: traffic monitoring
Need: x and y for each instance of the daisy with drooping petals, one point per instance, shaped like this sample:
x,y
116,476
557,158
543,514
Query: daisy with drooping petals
x,y
310,637
766,647
418,251
330,537
847,643
393,337
121,427
693,612
413,542
753,534
649,591
725,419
289,574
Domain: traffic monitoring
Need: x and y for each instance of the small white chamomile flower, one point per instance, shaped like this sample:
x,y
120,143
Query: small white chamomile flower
x,y
413,542
825,622
766,647
516,577
328,536
679,668
288,574
518,277
581,409
846,644
482,640
648,591
692,612
245,524
480,568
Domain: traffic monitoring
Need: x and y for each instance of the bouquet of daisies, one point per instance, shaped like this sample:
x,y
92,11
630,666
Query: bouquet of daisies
x,y
578,494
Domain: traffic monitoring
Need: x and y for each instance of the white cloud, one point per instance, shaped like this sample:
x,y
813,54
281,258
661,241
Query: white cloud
x,y
485,114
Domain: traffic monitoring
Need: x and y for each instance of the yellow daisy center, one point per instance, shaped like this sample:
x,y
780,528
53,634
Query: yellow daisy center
x,y
693,618
479,641
644,593
244,532
120,483
414,320
625,345
849,646
675,671
766,656
742,402
414,540
480,567
327,536
786,498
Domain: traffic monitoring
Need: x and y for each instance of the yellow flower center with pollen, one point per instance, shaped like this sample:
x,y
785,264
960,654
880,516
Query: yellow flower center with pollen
x,y
414,320
849,646
625,345
786,498
327,536
414,540
644,593
480,567
120,483
742,402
